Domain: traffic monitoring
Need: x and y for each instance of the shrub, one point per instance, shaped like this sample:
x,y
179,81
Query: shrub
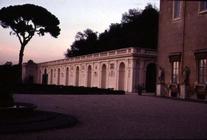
x,y
6,97
201,91
59,89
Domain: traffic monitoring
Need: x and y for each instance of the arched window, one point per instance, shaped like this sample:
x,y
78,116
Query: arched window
x,y
67,76
51,76
58,78
45,78
122,76
103,76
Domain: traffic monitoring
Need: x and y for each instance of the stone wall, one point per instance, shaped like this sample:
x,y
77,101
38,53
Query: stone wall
x,y
121,69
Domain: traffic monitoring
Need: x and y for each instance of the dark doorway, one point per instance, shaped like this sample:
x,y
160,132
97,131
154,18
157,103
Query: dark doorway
x,y
121,76
30,79
67,77
151,78
58,78
45,78
103,76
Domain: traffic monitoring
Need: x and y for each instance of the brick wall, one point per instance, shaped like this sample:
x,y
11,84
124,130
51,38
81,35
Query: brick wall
x,y
173,36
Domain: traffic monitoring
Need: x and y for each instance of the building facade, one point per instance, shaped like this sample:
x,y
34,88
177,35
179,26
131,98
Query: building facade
x,y
182,51
122,69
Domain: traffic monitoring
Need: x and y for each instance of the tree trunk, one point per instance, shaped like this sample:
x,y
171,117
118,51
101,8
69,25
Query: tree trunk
x,y
21,54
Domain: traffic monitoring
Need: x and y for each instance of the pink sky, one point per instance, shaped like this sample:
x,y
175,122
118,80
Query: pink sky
x,y
74,16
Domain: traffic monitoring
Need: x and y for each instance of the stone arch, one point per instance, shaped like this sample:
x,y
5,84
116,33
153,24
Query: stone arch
x,y
89,74
45,77
122,75
58,77
51,76
103,76
77,76
150,82
67,76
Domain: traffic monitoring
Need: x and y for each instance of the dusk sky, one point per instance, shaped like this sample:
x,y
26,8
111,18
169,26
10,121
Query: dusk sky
x,y
74,16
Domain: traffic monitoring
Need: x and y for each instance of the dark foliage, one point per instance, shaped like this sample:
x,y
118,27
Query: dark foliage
x,y
201,92
85,43
8,79
58,89
26,20
6,100
137,29
8,74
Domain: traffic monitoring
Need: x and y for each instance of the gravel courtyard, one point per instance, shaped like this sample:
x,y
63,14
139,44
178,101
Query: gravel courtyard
x,y
120,117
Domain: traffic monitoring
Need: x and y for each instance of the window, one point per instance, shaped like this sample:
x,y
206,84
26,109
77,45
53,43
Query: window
x,y
175,59
202,71
176,9
175,71
203,6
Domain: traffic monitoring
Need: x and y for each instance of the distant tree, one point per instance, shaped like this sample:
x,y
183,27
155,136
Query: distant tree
x,y
26,20
85,42
138,28
131,15
115,37
150,22
8,63
86,34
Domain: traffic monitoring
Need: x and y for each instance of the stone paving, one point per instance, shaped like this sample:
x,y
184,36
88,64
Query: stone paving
x,y
120,117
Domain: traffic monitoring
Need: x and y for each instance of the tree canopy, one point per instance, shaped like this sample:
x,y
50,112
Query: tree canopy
x,y
84,43
26,20
138,28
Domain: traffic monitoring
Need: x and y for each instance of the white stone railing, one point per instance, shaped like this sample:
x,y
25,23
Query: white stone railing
x,y
111,53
